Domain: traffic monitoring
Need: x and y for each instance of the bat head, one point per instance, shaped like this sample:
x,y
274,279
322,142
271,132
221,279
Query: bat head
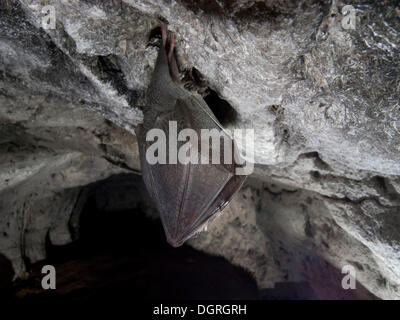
x,y
180,233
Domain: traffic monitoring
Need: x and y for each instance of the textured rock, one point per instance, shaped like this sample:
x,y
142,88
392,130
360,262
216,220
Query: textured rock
x,y
323,100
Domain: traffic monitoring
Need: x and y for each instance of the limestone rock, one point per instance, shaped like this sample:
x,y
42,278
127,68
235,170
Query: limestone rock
x,y
323,101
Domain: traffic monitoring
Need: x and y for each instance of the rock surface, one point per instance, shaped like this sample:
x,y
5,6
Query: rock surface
x,y
323,100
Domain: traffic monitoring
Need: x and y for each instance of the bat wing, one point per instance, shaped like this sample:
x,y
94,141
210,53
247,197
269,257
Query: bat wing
x,y
187,195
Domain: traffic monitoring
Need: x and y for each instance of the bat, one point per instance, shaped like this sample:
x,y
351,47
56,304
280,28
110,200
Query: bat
x,y
187,195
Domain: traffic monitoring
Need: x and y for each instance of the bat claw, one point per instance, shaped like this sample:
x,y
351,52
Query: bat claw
x,y
171,45
163,33
173,66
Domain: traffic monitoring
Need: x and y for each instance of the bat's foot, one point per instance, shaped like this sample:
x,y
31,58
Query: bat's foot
x,y
163,34
169,46
173,66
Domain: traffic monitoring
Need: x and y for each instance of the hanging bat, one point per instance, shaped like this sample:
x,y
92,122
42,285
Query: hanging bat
x,y
186,195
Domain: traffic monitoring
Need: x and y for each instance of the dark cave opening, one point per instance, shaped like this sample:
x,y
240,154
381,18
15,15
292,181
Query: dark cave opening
x,y
193,80
221,108
123,255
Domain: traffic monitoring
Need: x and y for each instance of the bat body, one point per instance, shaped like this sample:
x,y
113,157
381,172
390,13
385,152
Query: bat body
x,y
187,195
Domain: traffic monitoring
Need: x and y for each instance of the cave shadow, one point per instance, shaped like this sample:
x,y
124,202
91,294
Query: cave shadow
x,y
6,277
123,255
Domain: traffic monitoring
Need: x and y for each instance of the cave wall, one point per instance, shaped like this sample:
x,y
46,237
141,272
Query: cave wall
x,y
323,101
